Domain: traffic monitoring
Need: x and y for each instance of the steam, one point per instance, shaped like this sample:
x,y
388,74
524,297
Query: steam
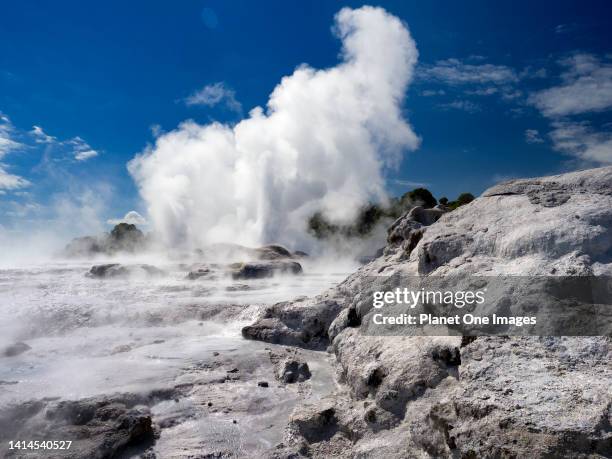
x,y
322,144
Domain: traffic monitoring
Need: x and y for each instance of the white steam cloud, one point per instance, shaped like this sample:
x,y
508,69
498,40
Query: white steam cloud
x,y
321,145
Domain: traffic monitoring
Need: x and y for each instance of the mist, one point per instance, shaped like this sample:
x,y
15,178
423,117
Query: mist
x,y
323,143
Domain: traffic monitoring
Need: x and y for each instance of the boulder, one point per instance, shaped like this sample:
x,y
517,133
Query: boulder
x,y
196,273
292,370
116,270
263,269
16,349
272,252
98,427
301,323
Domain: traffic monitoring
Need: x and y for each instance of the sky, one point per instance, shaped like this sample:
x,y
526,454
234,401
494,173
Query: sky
x,y
500,90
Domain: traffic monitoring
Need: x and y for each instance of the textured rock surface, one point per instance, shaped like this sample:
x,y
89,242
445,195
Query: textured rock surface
x,y
263,269
116,270
444,396
98,427
292,370
124,237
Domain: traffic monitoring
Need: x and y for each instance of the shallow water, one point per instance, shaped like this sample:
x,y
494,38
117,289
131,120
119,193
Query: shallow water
x,y
102,336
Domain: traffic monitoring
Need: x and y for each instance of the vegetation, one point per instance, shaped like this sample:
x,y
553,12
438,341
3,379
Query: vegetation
x,y
464,198
373,214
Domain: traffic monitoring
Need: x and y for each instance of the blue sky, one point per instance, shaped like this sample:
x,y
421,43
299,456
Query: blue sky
x,y
501,90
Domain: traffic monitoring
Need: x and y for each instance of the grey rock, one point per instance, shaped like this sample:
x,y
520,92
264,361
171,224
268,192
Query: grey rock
x,y
263,269
98,427
116,270
292,370
302,323
124,237
272,252
16,349
450,396
198,272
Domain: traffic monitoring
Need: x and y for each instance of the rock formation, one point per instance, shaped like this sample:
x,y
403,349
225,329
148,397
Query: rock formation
x,y
450,397
124,238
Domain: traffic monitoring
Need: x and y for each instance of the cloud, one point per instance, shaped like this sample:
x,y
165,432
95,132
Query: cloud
x,y
561,29
7,143
410,183
10,181
131,217
456,72
85,155
586,87
581,140
533,136
215,94
40,136
321,145
81,149
464,105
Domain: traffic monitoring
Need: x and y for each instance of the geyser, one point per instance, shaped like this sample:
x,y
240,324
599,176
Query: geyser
x,y
322,144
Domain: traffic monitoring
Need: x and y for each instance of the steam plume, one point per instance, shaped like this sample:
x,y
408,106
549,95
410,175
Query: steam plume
x,y
322,144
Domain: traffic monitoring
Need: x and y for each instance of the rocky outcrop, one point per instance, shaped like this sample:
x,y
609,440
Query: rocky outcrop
x,y
98,427
116,270
124,238
302,323
449,397
263,269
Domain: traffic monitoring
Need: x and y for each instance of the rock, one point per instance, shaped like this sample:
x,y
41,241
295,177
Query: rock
x,y
300,254
116,270
406,232
16,349
124,237
197,273
291,371
263,269
262,384
238,288
302,323
443,396
98,427
272,252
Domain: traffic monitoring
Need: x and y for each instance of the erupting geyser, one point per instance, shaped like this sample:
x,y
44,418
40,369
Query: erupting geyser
x,y
321,144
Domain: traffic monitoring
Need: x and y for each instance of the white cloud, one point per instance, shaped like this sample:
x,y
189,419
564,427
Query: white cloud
x,y
40,136
82,150
533,136
7,143
214,94
580,140
321,144
10,181
156,130
586,87
85,155
410,183
456,72
465,105
132,217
